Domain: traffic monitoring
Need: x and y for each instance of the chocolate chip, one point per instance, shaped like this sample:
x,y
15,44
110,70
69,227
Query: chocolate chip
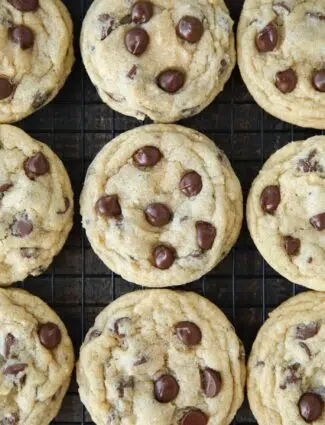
x,y
190,29
314,15
66,206
270,199
158,214
304,331
136,41
189,333
132,73
310,407
40,99
309,164
5,187
140,360
281,6
126,20
94,334
9,342
166,388
194,417
291,373
14,369
191,184
49,335
22,227
163,257
23,36
171,80
123,384
108,206
318,221
117,325
205,234
25,5
286,81
210,382
107,25
291,245
148,156
29,252
266,40
306,348
223,66
11,419
6,88
142,12
319,80
36,166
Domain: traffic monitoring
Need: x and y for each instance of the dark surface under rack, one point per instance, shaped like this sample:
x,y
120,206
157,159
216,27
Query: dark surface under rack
x,y
78,286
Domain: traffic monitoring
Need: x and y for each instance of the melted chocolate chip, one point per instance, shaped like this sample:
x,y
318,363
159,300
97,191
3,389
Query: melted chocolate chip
x,y
310,407
270,199
118,324
189,333
108,206
140,360
205,234
36,166
291,375
94,334
286,81
163,257
190,29
22,227
6,88
158,214
194,417
107,25
304,331
319,80
123,384
191,184
148,156
166,388
25,5
318,221
210,382
23,36
50,335
171,80
309,164
305,347
266,40
29,252
142,12
5,187
136,41
9,342
132,73
66,206
14,369
41,99
291,245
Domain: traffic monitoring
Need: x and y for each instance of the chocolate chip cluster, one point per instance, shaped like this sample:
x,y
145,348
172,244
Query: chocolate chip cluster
x,y
158,214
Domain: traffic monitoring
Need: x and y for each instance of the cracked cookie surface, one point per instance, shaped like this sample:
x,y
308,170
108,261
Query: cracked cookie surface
x,y
36,205
164,357
286,212
36,360
164,59
286,368
280,56
161,205
36,55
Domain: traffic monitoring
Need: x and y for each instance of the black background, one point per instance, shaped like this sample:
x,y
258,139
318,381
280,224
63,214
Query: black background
x,y
76,125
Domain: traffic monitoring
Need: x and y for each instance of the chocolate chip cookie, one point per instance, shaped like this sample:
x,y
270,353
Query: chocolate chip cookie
x,y
280,56
161,205
286,369
286,212
162,59
36,55
36,360
36,205
171,356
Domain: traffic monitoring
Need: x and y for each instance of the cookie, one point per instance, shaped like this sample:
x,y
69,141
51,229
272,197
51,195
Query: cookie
x,y
36,55
36,360
36,205
171,356
286,368
161,205
280,56
286,212
162,59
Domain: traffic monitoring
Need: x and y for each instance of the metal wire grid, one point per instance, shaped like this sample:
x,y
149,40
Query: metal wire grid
x,y
78,286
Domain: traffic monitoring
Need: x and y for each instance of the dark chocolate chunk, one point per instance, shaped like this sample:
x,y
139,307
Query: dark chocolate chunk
x,y
142,12
286,81
305,347
166,388
107,25
9,342
210,382
306,331
25,5
158,214
266,40
50,335
163,257
270,199
190,29
36,166
126,20
118,325
291,245
14,369
23,36
310,407
108,206
22,227
123,384
194,417
205,234
319,80
191,184
318,221
5,187
148,156
171,80
132,73
136,41
189,333
6,88
309,164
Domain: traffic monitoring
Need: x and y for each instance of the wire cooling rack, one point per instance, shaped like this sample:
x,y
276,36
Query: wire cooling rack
x,y
76,125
